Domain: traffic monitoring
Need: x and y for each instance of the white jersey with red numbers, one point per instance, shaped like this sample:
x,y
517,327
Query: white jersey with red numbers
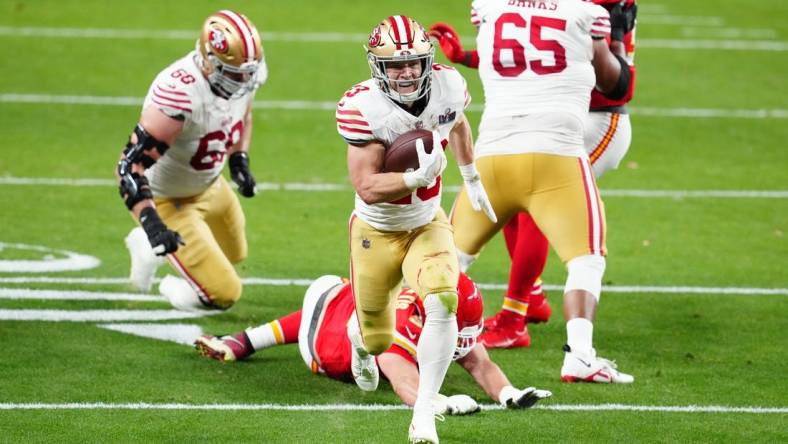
x,y
535,66
366,114
211,126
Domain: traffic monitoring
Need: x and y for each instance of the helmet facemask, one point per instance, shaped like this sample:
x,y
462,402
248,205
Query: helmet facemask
x,y
231,82
466,340
392,86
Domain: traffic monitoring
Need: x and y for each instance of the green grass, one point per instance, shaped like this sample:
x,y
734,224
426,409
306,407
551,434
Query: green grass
x,y
684,349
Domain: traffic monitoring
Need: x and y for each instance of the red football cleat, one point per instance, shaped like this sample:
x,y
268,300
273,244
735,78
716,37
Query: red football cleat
x,y
501,337
539,313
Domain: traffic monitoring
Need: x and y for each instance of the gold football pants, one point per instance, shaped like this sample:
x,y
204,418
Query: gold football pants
x,y
559,192
425,257
212,225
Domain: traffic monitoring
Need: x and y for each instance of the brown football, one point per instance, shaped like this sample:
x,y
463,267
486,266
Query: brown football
x,y
401,154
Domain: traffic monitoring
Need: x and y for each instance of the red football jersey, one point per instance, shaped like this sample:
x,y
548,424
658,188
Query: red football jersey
x,y
333,346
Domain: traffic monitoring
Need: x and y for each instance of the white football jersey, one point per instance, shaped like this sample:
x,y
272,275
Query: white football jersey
x,y
365,114
211,126
535,66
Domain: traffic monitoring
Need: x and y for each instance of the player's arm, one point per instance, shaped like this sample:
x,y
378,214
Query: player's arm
x,y
404,378
461,145
402,374
450,44
365,165
613,73
239,159
494,382
150,139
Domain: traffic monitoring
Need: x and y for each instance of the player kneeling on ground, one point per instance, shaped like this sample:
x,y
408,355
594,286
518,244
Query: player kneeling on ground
x,y
320,329
197,114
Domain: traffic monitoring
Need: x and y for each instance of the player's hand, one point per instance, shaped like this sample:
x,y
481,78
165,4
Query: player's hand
x,y
513,398
239,172
430,165
455,405
162,239
449,41
622,20
476,193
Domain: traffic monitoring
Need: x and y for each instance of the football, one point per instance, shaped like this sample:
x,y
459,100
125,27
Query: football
x,y
401,155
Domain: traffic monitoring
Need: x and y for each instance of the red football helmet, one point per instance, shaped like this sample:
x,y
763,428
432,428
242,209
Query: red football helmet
x,y
470,316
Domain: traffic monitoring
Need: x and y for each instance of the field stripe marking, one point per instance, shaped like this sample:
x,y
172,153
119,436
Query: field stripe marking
x,y
68,295
329,187
296,282
96,315
341,37
314,105
382,407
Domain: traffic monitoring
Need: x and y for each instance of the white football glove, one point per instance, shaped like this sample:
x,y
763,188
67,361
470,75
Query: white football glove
x,y
454,405
430,165
476,193
513,398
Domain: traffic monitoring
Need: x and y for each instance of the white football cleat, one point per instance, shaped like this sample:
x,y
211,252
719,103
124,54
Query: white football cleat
x,y
422,427
579,367
143,261
362,364
180,294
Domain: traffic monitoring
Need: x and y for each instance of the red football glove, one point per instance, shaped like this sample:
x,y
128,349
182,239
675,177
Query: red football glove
x,y
452,47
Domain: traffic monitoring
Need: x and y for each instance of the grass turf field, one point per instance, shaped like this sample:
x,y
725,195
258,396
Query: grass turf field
x,y
685,348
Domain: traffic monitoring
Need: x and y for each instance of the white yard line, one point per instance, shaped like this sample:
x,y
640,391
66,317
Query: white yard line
x,y
381,407
68,295
96,315
328,187
299,282
312,105
358,38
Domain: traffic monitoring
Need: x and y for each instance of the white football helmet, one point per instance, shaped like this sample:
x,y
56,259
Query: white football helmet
x,y
230,54
399,39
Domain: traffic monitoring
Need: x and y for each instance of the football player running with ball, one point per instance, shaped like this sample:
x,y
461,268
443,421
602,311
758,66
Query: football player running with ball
x,y
398,228
197,114
606,138
538,62
320,329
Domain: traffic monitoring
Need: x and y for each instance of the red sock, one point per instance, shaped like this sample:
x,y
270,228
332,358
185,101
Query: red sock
x,y
290,325
529,257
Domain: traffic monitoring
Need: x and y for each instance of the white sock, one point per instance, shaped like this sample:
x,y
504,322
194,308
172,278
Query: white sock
x,y
579,335
266,335
435,349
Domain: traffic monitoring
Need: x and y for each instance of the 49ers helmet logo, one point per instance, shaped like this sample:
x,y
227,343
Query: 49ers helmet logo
x,y
218,41
374,37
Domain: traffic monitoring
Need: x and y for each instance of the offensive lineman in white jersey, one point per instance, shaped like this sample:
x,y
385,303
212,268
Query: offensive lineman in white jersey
x,y
538,61
608,133
398,228
197,113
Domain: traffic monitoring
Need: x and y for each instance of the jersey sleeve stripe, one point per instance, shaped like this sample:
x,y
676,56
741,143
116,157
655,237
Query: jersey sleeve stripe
x,y
171,99
171,91
353,130
348,112
170,105
475,21
353,122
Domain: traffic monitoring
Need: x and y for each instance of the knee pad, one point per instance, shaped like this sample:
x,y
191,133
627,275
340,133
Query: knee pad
x,y
585,273
466,260
437,275
440,306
